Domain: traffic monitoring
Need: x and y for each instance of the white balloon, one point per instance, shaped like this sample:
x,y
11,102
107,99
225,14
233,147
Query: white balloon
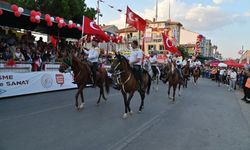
x,y
52,19
37,17
70,22
20,9
78,25
61,21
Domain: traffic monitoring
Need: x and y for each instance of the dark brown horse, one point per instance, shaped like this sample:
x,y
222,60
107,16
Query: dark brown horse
x,y
196,74
125,78
186,75
82,77
169,74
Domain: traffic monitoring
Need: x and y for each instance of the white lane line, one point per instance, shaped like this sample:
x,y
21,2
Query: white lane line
x,y
49,109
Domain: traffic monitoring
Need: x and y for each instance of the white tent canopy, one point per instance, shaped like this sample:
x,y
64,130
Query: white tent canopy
x,y
222,65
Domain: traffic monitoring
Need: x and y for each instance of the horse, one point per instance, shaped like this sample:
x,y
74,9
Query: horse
x,y
169,73
82,77
154,76
196,74
186,74
126,79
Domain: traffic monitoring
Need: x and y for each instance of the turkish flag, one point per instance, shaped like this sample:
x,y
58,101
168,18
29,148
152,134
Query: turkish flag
x,y
168,44
135,20
89,27
53,40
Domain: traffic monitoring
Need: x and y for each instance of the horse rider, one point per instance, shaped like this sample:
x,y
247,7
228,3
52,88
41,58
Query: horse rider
x,y
92,56
197,65
135,60
153,62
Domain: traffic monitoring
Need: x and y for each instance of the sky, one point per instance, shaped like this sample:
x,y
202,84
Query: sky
x,y
225,22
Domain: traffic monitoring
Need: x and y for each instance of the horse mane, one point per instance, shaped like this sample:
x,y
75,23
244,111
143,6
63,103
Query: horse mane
x,y
126,61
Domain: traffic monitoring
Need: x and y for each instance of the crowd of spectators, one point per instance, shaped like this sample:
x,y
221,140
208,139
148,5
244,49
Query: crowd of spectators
x,y
25,49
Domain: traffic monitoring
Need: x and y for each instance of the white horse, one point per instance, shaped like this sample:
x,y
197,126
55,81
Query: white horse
x,y
155,79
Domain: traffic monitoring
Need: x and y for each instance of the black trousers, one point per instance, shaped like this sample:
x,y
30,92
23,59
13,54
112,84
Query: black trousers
x,y
138,72
155,71
94,67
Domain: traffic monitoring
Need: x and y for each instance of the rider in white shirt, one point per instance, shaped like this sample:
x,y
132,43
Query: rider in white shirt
x,y
154,62
92,56
135,60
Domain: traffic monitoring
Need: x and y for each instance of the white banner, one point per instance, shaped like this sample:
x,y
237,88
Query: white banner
x,y
13,84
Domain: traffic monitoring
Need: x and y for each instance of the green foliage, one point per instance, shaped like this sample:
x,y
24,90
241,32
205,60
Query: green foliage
x,y
183,52
68,9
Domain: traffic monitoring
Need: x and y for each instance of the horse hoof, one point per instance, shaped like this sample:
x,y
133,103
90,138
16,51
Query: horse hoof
x,y
81,106
139,111
131,112
125,116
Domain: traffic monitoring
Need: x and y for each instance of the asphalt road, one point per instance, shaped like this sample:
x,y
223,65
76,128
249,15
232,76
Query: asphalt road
x,y
204,117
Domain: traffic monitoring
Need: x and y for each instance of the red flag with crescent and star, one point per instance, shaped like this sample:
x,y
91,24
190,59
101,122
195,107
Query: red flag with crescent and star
x,y
89,27
135,20
168,44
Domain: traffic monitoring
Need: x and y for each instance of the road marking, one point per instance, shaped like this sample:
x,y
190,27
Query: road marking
x,y
49,109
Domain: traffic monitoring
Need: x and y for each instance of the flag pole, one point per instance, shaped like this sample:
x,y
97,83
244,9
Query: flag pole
x,y
82,32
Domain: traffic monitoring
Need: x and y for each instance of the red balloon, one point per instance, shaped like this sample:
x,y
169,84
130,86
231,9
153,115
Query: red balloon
x,y
57,19
38,13
14,7
32,19
47,17
17,14
37,21
80,28
70,26
60,25
49,24
64,24
74,25
33,13
1,12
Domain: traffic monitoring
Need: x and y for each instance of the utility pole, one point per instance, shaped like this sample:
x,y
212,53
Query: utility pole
x,y
156,10
98,11
169,10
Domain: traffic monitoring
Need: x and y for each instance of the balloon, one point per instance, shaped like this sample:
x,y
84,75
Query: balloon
x,y
32,19
1,12
37,17
64,23
52,19
47,17
80,28
33,13
61,21
60,25
37,21
49,24
39,13
70,26
20,9
58,19
78,25
73,25
17,14
14,7
70,22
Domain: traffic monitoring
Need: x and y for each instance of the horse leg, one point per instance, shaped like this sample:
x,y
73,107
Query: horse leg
x,y
124,94
174,89
103,94
80,88
128,102
142,94
169,87
82,98
100,94
179,90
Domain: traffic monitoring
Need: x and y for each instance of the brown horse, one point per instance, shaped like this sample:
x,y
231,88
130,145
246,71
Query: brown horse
x,y
169,74
186,74
82,77
125,77
196,74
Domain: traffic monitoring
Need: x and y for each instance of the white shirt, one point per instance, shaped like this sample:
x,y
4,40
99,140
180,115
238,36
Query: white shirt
x,y
233,75
136,54
92,55
222,72
153,60
184,62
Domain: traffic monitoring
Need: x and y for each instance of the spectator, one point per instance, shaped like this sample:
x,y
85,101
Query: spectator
x,y
18,56
7,55
232,79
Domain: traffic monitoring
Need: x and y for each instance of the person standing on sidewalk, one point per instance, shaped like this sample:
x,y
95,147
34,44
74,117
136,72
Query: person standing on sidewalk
x,y
232,79
246,85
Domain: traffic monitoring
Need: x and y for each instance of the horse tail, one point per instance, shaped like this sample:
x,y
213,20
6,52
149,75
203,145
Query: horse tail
x,y
149,83
106,82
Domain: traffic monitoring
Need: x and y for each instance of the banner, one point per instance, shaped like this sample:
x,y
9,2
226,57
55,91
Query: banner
x,y
13,84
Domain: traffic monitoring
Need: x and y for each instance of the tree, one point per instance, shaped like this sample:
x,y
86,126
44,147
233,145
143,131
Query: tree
x,y
68,9
183,52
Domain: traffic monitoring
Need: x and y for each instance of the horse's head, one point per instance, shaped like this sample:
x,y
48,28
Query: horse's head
x,y
165,70
120,63
66,64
